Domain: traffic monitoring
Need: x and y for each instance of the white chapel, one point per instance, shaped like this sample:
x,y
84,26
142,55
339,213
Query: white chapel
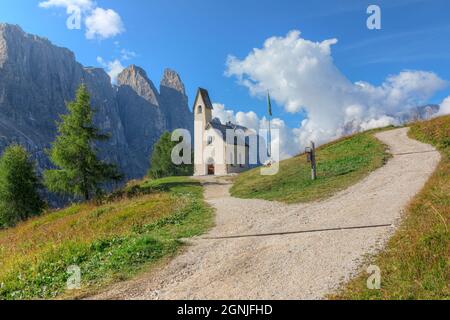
x,y
219,149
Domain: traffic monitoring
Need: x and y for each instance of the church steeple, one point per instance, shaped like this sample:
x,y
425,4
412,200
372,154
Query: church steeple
x,y
202,116
203,107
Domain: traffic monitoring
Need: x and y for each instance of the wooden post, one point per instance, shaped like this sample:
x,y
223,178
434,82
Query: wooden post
x,y
313,161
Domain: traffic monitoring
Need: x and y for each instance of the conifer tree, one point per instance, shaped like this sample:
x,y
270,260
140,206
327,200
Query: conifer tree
x,y
19,187
79,171
161,160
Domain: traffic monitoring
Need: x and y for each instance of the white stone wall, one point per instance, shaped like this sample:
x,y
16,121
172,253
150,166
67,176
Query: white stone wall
x,y
200,121
215,150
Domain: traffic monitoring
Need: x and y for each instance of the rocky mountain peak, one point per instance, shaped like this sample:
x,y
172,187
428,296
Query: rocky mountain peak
x,y
171,79
135,71
14,33
136,78
97,72
16,43
13,28
37,78
8,32
175,101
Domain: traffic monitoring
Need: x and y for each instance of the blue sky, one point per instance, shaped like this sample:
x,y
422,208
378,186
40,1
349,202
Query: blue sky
x,y
195,37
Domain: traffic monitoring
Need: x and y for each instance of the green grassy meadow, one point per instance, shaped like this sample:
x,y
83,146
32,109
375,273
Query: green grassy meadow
x,y
340,164
131,231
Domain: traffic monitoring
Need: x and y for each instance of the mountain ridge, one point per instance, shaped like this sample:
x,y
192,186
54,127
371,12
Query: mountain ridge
x,y
38,78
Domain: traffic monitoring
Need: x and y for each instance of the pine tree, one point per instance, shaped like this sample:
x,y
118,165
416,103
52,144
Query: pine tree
x,y
161,160
19,187
79,172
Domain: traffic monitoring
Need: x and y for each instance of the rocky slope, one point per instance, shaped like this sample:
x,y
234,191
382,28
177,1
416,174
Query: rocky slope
x,y
37,78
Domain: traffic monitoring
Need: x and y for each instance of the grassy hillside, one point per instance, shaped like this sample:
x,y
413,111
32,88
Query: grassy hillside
x,y
415,264
137,227
340,164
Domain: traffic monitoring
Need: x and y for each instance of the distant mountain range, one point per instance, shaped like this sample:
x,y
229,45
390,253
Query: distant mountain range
x,y
37,78
425,112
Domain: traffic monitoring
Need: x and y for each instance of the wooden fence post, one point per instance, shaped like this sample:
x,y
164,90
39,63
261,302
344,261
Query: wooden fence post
x,y
313,161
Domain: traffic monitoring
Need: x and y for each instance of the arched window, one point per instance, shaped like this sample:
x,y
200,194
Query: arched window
x,y
199,109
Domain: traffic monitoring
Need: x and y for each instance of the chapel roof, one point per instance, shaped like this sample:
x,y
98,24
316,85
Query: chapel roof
x,y
205,96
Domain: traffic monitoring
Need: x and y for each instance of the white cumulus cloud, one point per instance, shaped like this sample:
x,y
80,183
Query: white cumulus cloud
x,y
100,23
127,54
113,68
444,107
301,76
288,138
79,4
103,24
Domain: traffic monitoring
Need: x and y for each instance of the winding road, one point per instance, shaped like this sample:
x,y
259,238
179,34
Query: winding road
x,y
269,250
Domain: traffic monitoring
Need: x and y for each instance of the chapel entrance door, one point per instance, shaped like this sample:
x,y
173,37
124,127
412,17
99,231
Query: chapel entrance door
x,y
211,169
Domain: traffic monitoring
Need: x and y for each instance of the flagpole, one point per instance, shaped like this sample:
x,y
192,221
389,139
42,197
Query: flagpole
x,y
269,138
269,153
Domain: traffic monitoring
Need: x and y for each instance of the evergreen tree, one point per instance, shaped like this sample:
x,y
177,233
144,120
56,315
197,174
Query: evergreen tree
x,y
79,172
161,160
19,187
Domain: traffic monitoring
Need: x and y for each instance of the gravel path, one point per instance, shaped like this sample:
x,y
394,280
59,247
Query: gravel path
x,y
290,266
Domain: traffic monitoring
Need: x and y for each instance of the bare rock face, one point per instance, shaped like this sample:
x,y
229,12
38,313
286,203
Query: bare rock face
x,y
172,80
140,112
137,79
175,102
37,78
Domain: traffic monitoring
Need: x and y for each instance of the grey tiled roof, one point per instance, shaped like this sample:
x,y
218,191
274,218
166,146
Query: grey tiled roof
x,y
216,124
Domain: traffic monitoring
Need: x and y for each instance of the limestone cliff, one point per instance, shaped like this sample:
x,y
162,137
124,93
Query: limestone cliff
x,y
37,78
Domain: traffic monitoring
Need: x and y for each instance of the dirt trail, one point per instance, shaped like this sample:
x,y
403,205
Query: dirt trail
x,y
290,266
